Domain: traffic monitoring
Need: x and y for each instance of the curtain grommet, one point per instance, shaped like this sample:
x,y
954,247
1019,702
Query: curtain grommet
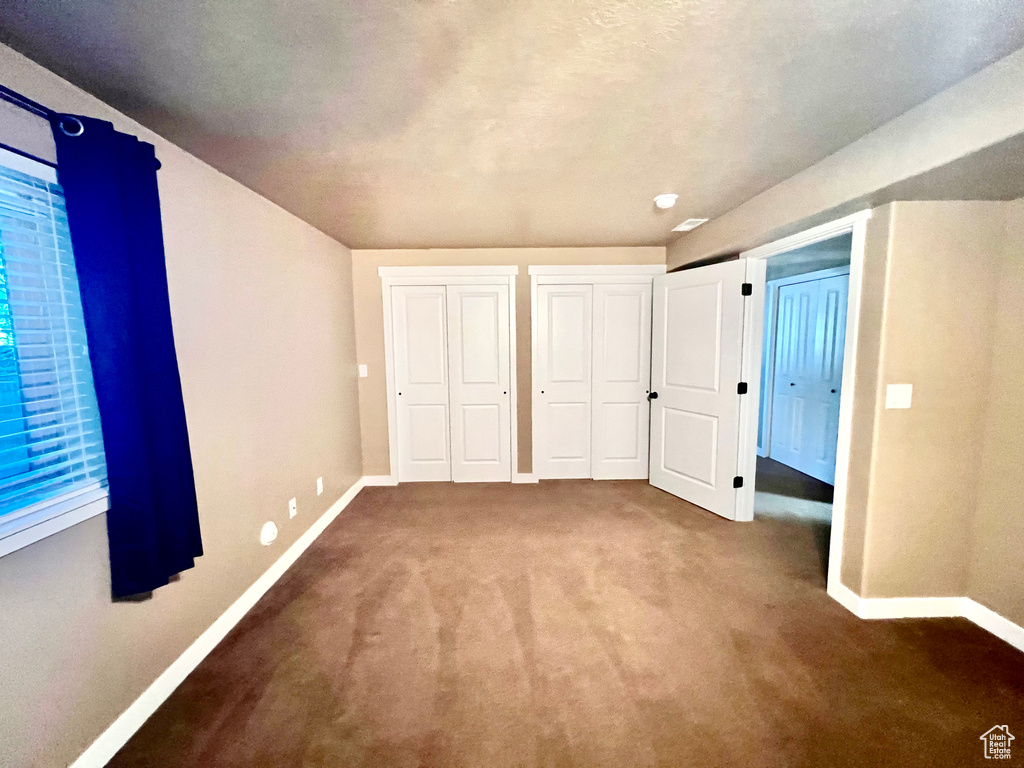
x,y
65,131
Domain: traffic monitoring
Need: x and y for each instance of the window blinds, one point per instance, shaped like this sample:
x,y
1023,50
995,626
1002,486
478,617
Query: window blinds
x,y
51,448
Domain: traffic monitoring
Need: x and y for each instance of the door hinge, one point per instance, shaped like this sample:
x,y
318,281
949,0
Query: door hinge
x,y
741,388
737,482
747,289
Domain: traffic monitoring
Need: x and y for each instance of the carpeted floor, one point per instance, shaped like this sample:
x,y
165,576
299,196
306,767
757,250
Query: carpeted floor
x,y
575,623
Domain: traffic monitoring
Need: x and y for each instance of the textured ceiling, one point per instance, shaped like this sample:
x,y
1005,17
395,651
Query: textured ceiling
x,y
458,123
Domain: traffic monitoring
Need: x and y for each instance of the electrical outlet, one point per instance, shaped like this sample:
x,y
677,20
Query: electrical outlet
x,y
319,486
363,372
293,508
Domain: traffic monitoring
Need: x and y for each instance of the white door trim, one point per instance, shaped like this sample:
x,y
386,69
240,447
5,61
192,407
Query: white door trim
x,y
435,272
857,225
574,274
487,275
594,270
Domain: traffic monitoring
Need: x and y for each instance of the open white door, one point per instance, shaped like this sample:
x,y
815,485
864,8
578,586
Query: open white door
x,y
696,355
478,353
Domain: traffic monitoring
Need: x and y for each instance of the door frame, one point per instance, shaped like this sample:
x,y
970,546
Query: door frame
x,y
481,275
574,274
855,224
771,288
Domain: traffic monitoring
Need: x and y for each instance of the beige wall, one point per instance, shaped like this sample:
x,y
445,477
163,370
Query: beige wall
x,y
936,503
976,113
373,407
997,565
936,334
263,322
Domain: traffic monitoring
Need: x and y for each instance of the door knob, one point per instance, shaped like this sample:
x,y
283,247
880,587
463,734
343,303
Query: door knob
x,y
833,391
792,384
652,396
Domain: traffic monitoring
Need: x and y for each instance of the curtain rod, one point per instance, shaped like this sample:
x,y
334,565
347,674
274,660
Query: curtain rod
x,y
24,102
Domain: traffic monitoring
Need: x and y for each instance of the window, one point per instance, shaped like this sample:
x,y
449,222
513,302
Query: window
x,y
52,468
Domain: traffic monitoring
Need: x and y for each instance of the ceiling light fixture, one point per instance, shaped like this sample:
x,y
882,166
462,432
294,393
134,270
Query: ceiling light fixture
x,y
664,202
689,224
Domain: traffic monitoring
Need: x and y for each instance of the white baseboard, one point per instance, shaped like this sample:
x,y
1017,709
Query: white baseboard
x,y
375,480
1000,626
930,607
124,727
524,477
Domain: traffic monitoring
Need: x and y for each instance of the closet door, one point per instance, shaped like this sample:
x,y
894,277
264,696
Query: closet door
x,y
478,364
822,426
561,391
419,317
622,374
794,371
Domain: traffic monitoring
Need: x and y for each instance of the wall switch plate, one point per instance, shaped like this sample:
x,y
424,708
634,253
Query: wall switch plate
x,y
363,371
898,396
293,508
319,486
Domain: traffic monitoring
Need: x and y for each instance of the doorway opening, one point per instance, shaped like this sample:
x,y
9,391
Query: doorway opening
x,y
803,349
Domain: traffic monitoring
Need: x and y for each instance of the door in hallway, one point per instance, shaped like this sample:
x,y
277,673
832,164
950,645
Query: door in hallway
x,y
809,348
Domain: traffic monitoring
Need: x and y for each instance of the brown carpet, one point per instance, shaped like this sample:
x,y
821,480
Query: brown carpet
x,y
576,623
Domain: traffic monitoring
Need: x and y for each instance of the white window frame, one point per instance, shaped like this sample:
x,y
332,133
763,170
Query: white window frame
x,y
45,518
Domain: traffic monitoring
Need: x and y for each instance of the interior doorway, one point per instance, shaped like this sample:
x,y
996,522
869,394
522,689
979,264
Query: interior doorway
x,y
806,295
801,377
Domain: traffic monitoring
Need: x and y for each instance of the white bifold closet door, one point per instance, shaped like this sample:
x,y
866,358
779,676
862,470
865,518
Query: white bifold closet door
x,y
620,410
809,347
451,362
478,355
593,376
420,318
564,336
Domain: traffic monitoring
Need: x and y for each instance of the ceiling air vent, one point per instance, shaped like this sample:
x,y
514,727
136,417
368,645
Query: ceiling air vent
x,y
689,224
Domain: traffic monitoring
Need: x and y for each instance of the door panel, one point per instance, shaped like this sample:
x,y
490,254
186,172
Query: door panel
x,y
697,340
809,371
421,382
794,370
822,434
478,341
562,391
621,373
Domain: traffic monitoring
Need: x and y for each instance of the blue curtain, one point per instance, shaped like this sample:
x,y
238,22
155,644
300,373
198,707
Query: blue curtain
x,y
113,207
